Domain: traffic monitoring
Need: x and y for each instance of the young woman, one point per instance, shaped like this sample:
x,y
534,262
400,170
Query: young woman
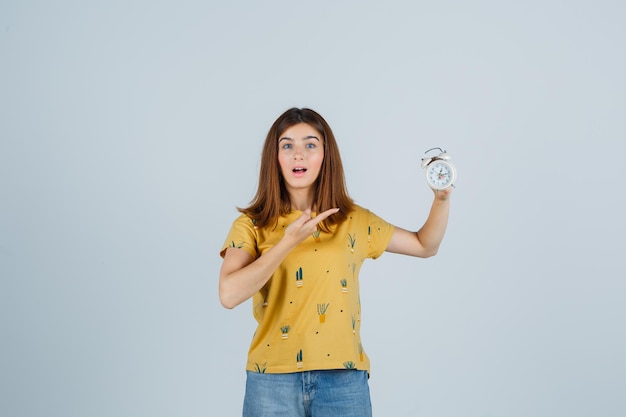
x,y
297,251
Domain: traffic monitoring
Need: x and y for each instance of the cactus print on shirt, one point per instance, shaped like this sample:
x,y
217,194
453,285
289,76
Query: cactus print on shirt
x,y
309,312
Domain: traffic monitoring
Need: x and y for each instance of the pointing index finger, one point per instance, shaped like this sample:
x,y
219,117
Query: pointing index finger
x,y
324,215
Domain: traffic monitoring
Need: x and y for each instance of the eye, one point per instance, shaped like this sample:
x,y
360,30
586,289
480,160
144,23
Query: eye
x,y
311,145
286,146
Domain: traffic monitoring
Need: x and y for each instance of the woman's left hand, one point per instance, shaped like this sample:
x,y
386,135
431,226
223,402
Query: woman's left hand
x,y
443,194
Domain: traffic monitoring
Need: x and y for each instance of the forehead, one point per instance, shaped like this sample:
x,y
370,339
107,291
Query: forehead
x,y
301,131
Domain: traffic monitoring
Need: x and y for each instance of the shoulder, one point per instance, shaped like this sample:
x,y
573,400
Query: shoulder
x,y
358,211
374,223
243,225
244,220
362,213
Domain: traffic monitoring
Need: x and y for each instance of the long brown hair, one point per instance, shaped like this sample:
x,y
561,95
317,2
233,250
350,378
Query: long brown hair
x,y
272,199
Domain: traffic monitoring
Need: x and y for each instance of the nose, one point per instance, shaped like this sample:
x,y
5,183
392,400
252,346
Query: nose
x,y
298,154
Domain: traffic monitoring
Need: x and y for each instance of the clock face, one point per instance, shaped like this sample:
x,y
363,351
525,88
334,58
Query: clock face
x,y
440,175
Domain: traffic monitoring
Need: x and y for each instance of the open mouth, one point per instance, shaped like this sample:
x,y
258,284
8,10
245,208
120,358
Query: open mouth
x,y
299,170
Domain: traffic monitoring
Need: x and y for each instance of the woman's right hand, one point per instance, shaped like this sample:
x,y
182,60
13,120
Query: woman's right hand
x,y
305,225
241,276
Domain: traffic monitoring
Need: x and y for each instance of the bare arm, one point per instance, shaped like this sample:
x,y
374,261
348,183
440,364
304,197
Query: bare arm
x,y
425,242
241,276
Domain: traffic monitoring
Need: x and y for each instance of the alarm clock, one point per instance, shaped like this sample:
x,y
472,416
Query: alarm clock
x,y
440,173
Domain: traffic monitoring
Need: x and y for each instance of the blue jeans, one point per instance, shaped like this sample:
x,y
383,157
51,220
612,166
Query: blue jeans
x,y
331,393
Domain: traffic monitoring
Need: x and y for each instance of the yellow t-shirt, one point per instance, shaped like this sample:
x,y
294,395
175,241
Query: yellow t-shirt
x,y
309,312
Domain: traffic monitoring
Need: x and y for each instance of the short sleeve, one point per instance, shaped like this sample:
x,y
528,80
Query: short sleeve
x,y
379,233
242,235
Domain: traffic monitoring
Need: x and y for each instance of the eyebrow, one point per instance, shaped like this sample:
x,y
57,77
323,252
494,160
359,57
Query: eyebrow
x,y
304,138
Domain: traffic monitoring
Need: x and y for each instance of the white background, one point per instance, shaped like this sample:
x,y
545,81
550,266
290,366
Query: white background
x,y
130,130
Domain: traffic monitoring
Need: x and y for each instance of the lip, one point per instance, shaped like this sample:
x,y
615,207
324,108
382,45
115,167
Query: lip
x,y
299,171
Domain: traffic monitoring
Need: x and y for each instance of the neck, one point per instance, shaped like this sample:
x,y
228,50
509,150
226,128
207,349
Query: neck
x,y
301,201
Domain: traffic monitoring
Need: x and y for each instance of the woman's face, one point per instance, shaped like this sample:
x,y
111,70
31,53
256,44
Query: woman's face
x,y
300,156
